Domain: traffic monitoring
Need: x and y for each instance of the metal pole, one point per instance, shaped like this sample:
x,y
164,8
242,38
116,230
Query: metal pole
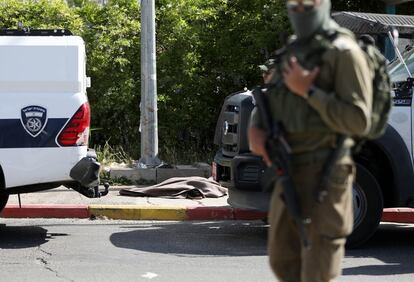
x,y
399,53
148,106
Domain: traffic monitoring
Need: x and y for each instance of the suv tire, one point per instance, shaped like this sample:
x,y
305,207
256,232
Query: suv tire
x,y
368,206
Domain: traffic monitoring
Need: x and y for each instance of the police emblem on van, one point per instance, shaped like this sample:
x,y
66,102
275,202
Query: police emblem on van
x,y
34,119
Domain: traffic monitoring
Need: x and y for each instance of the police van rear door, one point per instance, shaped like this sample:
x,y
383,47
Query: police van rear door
x,y
42,86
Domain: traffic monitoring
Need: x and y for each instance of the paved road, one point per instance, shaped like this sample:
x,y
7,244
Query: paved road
x,y
388,256
103,250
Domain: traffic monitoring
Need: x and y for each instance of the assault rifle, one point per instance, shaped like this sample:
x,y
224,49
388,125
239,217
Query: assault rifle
x,y
279,153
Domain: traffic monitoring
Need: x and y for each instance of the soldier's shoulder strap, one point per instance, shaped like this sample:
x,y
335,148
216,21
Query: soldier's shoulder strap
x,y
344,39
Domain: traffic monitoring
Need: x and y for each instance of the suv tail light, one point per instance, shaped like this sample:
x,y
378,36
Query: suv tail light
x,y
76,131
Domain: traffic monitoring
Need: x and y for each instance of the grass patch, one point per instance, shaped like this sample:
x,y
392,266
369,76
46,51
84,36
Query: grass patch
x,y
109,155
112,155
188,155
115,156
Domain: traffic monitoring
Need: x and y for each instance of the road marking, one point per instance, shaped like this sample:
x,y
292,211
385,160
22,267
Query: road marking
x,y
149,275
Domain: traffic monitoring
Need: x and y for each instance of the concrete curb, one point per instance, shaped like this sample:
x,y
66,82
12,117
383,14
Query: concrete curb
x,y
177,213
45,211
133,212
130,212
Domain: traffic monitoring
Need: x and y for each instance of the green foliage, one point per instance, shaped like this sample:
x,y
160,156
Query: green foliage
x,y
112,35
206,50
39,14
359,5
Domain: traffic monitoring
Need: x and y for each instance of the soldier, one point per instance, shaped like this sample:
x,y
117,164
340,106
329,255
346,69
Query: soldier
x,y
326,92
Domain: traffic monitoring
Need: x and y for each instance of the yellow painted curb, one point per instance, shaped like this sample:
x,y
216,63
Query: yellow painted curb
x,y
137,212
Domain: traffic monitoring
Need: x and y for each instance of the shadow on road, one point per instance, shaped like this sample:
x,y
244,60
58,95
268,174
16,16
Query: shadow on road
x,y
393,245
21,237
229,238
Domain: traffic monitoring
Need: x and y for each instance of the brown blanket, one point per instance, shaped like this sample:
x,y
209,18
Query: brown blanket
x,y
180,187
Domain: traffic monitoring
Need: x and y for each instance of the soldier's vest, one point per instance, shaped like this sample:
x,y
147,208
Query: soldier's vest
x,y
306,130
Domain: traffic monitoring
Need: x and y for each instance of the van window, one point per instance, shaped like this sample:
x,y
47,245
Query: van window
x,y
28,68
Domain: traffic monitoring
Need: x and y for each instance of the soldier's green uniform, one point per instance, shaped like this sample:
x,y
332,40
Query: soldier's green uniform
x,y
340,104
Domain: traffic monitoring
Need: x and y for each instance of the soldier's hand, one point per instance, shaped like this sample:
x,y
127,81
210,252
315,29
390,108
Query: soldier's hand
x,y
298,79
257,143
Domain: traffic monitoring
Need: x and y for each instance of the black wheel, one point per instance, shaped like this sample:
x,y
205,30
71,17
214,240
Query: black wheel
x,y
3,200
368,205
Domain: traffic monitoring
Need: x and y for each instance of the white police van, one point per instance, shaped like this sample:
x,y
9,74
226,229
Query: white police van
x,y
44,114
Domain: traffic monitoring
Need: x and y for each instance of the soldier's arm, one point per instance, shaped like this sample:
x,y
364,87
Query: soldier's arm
x,y
348,110
257,137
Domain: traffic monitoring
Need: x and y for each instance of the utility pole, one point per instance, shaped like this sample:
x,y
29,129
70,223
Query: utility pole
x,y
148,106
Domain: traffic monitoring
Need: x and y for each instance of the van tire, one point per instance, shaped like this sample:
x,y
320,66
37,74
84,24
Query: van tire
x,y
368,205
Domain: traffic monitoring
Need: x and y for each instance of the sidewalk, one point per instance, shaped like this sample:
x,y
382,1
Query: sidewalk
x,y
66,203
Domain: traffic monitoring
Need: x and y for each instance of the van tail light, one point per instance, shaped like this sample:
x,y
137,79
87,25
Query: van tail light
x,y
76,131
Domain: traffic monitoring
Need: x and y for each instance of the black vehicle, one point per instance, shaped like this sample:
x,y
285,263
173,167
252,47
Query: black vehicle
x,y
384,166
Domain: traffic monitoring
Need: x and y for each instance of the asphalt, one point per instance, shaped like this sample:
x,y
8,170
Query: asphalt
x,y
66,203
